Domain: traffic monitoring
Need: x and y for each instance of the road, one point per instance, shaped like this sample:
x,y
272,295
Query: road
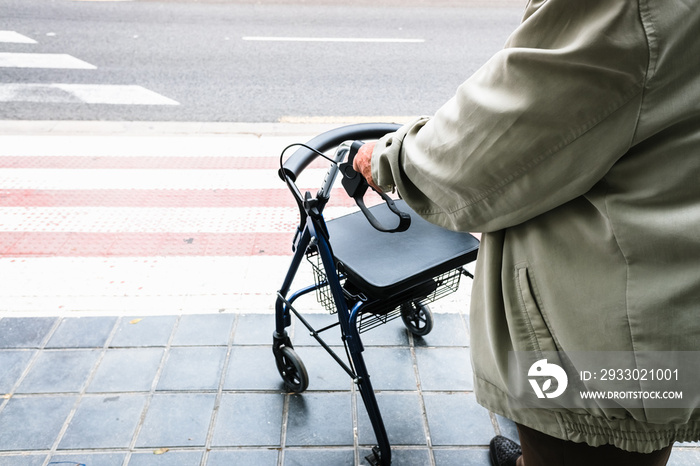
x,y
234,60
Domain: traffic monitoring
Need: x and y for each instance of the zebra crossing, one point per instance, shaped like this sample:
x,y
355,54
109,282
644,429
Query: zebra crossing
x,y
93,94
147,221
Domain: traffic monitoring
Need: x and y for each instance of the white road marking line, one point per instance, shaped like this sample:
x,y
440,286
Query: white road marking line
x,y
39,93
115,94
15,38
334,39
85,93
43,60
50,178
155,219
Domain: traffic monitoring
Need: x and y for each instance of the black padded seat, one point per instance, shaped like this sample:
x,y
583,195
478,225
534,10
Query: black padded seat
x,y
383,265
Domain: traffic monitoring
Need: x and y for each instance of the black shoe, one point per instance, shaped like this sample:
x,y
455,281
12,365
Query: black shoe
x,y
503,451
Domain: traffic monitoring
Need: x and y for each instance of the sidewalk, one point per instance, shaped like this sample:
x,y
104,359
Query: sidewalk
x,y
165,359
204,389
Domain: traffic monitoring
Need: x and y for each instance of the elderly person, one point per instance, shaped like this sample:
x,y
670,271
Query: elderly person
x,y
576,151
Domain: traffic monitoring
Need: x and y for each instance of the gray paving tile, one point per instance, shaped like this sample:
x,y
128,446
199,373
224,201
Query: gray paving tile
x,y
88,459
33,423
59,371
445,369
302,337
169,458
324,371
457,419
104,422
177,420
335,457
22,460
247,419
254,329
390,368
204,330
448,330
412,457
471,457
193,368
144,331
403,419
24,332
392,333
12,366
82,332
252,368
127,370
265,457
684,457
320,419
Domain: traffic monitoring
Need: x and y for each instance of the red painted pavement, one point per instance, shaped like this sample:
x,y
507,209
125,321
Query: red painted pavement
x,y
159,198
172,163
77,244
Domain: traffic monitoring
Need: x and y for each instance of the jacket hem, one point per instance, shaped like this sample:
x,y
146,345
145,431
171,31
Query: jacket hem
x,y
628,434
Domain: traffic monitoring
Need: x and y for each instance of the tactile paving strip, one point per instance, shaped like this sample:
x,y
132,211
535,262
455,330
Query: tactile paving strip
x,y
120,244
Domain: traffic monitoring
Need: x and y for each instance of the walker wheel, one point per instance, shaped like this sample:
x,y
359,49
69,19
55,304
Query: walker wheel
x,y
417,318
292,370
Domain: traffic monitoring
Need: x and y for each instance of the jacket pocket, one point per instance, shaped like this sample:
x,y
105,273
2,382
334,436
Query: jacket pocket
x,y
541,338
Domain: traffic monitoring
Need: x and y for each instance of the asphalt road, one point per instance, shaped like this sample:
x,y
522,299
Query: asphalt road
x,y
209,56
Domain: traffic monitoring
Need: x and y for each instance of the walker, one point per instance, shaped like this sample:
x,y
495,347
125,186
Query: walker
x,y
370,267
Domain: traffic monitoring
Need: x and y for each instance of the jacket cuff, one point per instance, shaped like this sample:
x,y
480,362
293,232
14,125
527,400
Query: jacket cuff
x,y
386,156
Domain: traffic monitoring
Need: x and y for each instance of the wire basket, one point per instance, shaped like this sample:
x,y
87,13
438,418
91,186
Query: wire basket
x,y
323,290
383,312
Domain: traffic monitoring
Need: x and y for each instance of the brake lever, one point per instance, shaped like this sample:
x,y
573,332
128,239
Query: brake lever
x,y
356,186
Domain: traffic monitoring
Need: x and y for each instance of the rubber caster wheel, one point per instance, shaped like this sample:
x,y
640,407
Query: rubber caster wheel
x,y
417,318
292,370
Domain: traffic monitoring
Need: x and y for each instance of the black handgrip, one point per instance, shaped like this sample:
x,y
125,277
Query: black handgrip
x,y
356,186
302,157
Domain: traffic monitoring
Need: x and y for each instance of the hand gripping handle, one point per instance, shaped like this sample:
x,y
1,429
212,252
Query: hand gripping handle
x,y
356,187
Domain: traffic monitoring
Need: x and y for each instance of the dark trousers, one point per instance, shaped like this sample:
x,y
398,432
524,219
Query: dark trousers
x,y
543,450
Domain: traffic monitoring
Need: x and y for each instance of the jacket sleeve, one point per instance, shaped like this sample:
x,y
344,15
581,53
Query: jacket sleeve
x,y
538,125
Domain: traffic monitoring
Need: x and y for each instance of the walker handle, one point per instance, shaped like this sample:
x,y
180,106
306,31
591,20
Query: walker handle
x,y
302,157
356,186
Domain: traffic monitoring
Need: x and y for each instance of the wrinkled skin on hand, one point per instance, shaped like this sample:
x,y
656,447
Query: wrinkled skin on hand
x,y
363,163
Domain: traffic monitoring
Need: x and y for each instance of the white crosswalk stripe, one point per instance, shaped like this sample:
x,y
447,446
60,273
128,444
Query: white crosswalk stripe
x,y
88,93
43,60
15,38
115,94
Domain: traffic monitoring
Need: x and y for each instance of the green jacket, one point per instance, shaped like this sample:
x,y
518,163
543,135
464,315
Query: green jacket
x,y
576,150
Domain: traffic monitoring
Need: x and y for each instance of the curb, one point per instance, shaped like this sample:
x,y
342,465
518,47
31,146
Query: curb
x,y
158,128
